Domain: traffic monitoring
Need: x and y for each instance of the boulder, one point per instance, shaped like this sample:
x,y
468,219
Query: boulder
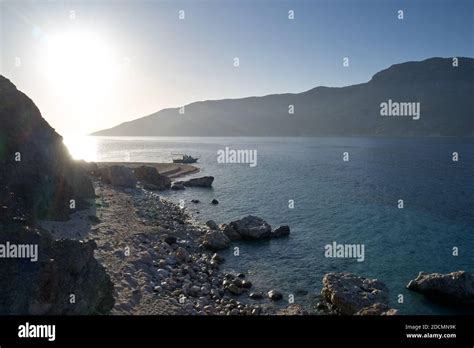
x,y
292,309
456,287
62,268
212,225
348,293
274,295
252,227
150,175
230,232
215,240
214,201
118,175
177,186
281,231
377,309
205,181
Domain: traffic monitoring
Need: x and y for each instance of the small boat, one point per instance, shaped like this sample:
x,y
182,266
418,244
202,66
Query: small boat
x,y
184,158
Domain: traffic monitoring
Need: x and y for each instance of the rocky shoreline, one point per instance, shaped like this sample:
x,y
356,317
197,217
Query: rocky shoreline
x,y
163,261
109,244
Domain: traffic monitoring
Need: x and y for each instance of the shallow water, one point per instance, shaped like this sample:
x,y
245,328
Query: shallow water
x,y
345,202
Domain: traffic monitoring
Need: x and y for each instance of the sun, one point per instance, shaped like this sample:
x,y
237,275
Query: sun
x,y
78,62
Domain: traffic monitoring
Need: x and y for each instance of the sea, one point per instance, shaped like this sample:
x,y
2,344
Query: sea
x,y
408,201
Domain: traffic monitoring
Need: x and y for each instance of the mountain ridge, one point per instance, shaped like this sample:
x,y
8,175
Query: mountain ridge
x,y
353,110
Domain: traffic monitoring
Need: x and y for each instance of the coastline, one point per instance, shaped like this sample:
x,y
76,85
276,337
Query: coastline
x,y
152,250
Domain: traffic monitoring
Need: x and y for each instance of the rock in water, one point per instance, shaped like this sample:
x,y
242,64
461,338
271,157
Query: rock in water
x,y
349,294
205,181
251,227
177,186
214,201
455,287
117,175
216,240
274,295
281,231
38,176
150,175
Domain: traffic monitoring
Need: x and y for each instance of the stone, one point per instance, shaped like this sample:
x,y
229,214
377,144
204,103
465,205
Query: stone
x,y
205,181
251,227
292,309
281,231
274,295
234,289
214,201
348,293
456,287
182,255
377,309
212,225
118,175
195,201
149,175
177,186
256,295
62,268
230,232
170,239
215,240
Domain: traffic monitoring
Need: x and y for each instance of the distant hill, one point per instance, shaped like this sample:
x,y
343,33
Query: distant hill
x,y
445,94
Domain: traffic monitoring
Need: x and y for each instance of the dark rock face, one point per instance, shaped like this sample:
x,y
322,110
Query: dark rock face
x,y
37,175
348,294
63,268
38,179
117,175
151,176
456,287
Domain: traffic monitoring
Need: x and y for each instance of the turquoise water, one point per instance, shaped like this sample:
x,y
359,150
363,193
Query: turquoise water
x,y
347,202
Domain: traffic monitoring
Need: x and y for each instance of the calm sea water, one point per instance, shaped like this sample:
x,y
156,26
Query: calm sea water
x,y
346,202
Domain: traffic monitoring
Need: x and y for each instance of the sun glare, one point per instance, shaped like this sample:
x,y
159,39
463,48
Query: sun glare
x,y
79,62
81,147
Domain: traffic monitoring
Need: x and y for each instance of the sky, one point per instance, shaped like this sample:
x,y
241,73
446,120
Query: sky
x,y
90,65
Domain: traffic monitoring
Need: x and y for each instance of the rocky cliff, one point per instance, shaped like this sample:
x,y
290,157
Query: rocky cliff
x,y
38,179
37,175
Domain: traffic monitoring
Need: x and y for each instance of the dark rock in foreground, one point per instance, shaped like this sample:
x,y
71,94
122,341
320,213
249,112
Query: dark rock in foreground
x,y
63,268
455,287
150,175
349,294
292,309
118,175
37,175
377,309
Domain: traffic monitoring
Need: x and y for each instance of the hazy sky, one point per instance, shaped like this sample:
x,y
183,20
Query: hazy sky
x,y
112,61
